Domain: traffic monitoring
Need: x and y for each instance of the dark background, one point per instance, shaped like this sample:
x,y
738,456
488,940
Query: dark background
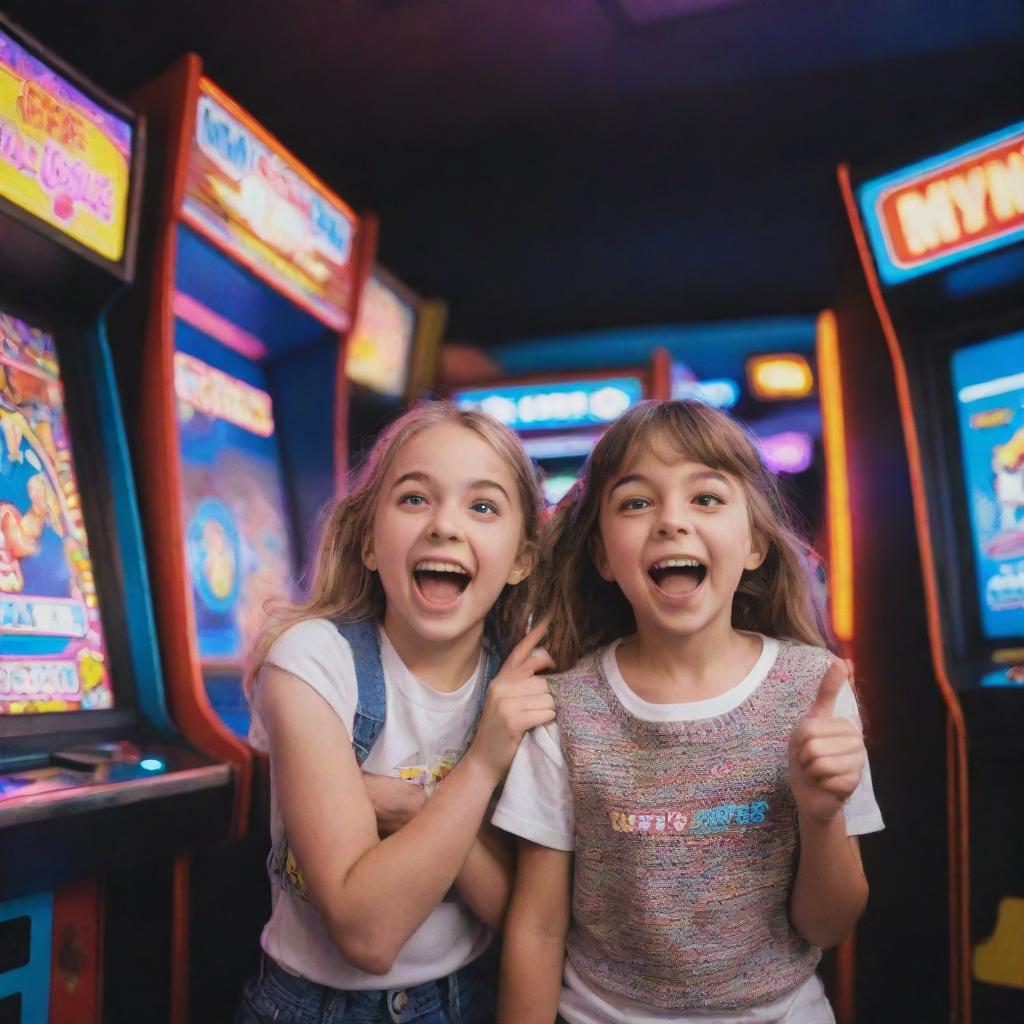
x,y
556,165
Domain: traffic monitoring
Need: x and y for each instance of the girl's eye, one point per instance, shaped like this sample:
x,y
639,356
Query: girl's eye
x,y
484,507
412,499
635,504
709,500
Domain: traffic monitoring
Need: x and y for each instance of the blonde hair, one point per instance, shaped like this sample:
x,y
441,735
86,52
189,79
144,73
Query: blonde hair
x,y
778,598
341,587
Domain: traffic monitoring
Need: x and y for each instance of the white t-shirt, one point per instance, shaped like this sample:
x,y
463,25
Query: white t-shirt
x,y
424,735
537,804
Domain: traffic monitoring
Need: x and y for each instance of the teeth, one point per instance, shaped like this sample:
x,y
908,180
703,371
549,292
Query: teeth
x,y
440,567
677,563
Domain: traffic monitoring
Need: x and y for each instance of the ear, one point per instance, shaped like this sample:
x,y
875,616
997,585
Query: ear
x,y
599,557
758,551
369,558
524,564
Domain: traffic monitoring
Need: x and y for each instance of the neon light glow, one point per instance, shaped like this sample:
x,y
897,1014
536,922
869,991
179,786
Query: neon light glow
x,y
781,376
721,392
947,208
63,159
556,406
229,334
840,526
789,452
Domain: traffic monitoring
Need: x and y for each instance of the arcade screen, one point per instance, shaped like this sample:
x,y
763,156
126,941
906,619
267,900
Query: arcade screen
x,y
378,353
53,652
237,544
988,379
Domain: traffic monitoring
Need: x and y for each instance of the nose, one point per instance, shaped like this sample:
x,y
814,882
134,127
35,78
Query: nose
x,y
444,523
674,520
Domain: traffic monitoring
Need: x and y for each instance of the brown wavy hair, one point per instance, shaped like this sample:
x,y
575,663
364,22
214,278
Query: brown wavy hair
x,y
340,587
777,599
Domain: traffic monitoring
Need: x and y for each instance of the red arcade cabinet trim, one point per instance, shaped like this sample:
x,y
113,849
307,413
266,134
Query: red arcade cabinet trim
x,y
956,737
158,429
661,375
76,980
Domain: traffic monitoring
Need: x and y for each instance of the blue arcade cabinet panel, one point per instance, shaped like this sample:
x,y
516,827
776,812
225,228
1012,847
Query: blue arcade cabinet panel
x,y
988,379
26,927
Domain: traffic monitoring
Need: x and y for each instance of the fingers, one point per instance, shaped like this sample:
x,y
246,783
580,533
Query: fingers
x,y
828,746
825,729
539,660
839,766
531,702
523,649
831,683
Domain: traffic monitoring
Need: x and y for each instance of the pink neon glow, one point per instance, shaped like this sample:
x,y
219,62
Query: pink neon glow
x,y
788,452
230,335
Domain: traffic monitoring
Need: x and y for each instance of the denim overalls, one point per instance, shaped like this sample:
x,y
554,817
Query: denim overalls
x,y
465,997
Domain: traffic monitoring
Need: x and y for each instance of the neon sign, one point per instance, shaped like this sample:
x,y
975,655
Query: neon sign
x,y
62,158
947,208
221,396
247,194
556,406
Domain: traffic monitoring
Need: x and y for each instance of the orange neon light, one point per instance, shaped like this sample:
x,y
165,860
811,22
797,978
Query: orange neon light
x,y
840,528
781,375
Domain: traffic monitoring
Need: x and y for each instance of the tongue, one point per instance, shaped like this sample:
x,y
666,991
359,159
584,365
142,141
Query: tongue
x,y
678,581
440,587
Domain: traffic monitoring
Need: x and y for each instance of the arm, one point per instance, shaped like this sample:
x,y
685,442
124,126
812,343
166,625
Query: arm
x,y
535,931
485,881
830,891
826,763
329,818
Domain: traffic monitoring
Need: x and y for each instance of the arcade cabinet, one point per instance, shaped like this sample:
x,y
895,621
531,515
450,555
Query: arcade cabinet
x,y
98,791
392,357
230,357
931,338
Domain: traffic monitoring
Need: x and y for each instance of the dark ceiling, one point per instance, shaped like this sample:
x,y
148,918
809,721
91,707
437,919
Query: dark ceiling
x,y
550,165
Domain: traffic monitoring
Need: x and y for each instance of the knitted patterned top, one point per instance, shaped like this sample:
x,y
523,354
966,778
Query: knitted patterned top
x,y
686,841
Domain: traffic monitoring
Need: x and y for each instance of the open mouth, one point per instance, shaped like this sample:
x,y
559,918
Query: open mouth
x,y
678,575
441,582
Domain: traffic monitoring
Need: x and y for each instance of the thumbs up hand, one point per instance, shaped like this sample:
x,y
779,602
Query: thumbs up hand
x,y
826,753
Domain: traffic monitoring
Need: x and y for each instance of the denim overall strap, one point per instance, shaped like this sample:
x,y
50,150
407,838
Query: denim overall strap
x,y
371,702
364,640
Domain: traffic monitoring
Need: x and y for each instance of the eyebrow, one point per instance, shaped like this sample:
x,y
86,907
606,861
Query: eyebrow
x,y
424,478
630,478
478,484
704,474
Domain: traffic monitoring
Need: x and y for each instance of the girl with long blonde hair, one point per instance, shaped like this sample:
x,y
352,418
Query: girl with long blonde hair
x,y
386,742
